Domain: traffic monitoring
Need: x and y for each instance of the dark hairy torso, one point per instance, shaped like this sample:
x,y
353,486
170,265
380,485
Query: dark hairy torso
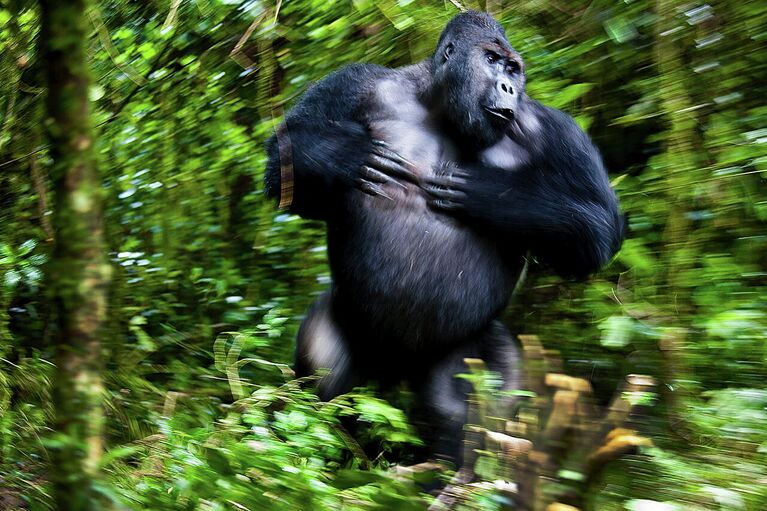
x,y
405,274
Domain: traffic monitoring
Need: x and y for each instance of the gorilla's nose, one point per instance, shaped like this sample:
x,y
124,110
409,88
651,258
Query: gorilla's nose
x,y
504,86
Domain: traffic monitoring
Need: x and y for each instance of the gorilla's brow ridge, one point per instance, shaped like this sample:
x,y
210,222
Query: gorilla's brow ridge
x,y
504,50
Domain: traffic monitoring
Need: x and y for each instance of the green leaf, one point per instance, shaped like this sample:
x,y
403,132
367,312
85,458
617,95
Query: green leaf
x,y
569,93
12,277
620,30
118,453
650,505
616,331
27,247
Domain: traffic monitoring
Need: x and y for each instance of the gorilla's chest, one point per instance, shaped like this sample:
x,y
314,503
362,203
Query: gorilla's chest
x,y
424,268
406,221
402,121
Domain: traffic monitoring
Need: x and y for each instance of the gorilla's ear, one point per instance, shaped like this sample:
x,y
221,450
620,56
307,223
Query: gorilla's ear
x,y
448,51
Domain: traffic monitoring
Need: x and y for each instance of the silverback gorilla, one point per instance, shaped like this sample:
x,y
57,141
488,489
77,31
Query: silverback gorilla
x,y
434,181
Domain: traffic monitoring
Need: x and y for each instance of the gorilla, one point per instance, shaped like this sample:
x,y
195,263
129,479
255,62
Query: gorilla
x,y
435,180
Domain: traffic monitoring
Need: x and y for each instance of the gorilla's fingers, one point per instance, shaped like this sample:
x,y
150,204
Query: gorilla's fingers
x,y
383,150
457,175
445,193
372,189
392,169
378,177
444,205
455,182
446,200
392,163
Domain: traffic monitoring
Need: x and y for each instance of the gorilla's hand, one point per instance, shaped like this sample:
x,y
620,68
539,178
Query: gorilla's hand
x,y
384,166
449,190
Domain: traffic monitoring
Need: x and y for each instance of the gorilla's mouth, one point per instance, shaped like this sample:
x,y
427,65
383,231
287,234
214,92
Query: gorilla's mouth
x,y
506,114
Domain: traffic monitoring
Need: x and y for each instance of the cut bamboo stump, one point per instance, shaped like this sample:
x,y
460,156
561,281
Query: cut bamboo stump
x,y
558,431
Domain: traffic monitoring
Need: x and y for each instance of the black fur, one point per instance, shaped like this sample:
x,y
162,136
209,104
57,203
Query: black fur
x,y
427,231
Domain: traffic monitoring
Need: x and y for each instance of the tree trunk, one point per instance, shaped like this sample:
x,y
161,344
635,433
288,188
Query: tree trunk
x,y
680,161
78,273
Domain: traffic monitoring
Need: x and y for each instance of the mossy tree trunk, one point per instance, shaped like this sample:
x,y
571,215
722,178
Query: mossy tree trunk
x,y
78,273
680,161
682,164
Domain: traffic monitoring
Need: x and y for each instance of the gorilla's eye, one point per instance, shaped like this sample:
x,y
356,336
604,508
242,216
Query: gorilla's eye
x,y
512,67
492,57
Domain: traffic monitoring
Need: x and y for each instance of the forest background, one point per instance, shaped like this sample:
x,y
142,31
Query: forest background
x,y
198,303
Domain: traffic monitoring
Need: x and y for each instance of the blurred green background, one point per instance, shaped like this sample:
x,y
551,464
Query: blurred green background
x,y
211,281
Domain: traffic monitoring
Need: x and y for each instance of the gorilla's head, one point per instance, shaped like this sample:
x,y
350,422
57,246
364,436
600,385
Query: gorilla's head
x,y
479,80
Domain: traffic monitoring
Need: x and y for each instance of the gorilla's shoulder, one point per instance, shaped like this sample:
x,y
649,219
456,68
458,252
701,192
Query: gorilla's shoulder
x,y
342,92
353,76
361,69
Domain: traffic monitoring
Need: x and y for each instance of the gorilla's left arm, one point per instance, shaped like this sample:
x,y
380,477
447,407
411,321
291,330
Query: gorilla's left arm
x,y
558,201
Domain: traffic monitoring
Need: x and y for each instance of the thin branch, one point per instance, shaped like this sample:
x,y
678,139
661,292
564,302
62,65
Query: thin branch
x,y
38,181
237,54
171,19
277,10
9,110
14,160
106,42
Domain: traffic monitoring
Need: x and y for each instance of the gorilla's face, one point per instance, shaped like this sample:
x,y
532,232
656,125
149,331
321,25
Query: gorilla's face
x,y
479,80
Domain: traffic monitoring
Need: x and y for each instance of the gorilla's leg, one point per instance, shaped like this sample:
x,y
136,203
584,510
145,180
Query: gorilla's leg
x,y
322,345
501,352
443,407
444,396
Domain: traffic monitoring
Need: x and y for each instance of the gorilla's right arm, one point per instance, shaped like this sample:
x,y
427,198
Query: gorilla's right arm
x,y
328,141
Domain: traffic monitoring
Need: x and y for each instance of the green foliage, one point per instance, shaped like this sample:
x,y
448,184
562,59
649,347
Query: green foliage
x,y
210,280
277,448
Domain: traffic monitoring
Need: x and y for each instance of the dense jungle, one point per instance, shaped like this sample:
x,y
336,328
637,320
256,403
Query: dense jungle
x,y
150,295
